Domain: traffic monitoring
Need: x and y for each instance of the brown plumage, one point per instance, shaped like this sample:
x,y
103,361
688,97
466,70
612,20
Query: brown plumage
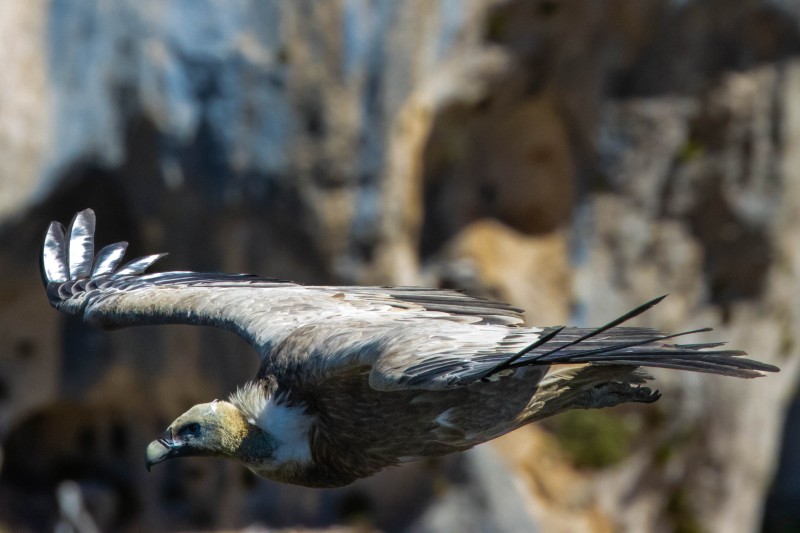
x,y
355,379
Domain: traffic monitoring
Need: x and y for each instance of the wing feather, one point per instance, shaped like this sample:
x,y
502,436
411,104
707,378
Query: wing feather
x,y
409,337
108,259
54,265
80,246
137,266
264,311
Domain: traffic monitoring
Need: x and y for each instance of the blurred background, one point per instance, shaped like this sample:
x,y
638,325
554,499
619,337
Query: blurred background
x,y
573,157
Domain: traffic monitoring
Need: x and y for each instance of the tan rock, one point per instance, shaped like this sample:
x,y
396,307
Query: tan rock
x,y
530,272
25,113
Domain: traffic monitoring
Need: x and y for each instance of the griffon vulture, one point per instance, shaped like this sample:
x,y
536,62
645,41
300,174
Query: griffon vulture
x,y
356,379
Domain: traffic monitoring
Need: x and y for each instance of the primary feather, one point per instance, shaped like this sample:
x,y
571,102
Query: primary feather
x,y
366,377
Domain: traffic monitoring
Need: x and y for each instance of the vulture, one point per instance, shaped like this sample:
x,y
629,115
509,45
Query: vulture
x,y
356,379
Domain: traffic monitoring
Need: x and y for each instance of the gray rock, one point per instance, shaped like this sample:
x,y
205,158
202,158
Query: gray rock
x,y
653,142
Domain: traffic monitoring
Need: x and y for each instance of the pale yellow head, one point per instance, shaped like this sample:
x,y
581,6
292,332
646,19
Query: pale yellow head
x,y
214,429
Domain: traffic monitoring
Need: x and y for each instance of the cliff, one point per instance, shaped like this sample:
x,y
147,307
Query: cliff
x,y
575,158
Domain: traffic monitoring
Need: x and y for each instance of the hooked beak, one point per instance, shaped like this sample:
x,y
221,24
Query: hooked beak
x,y
163,448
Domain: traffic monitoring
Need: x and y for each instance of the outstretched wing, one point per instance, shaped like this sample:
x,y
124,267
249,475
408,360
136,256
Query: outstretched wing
x,y
263,311
409,337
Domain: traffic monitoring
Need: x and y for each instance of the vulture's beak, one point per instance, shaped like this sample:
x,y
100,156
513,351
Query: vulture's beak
x,y
163,448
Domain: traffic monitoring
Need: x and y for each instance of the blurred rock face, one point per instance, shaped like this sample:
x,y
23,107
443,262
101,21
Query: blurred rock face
x,y
574,158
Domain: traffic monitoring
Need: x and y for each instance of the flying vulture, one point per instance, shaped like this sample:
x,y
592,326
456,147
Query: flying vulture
x,y
355,379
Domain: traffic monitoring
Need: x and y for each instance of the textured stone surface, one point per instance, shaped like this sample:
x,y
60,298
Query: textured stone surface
x,y
24,103
572,157
713,238
492,260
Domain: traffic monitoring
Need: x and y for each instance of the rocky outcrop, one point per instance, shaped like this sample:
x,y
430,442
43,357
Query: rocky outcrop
x,y
574,158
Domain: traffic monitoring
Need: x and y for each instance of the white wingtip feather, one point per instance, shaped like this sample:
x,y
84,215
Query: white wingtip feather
x,y
80,246
137,266
54,262
108,259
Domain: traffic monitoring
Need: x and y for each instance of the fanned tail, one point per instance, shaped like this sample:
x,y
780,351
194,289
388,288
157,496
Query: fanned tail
x,y
624,346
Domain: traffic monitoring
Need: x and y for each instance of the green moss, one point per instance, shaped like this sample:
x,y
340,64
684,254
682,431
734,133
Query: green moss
x,y
663,453
683,516
593,439
690,150
671,444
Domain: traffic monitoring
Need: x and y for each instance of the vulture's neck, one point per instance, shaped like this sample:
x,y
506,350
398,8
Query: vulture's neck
x,y
276,430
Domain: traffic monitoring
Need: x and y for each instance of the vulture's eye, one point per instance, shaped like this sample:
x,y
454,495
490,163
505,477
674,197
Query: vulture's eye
x,y
191,429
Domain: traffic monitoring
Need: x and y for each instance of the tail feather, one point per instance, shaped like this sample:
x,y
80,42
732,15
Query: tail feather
x,y
638,347
700,346
697,358
552,356
597,331
706,367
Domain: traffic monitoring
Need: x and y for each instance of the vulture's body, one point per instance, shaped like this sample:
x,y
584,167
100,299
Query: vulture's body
x,y
355,379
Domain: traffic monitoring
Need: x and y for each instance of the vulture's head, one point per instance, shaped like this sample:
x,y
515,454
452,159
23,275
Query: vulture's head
x,y
215,429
